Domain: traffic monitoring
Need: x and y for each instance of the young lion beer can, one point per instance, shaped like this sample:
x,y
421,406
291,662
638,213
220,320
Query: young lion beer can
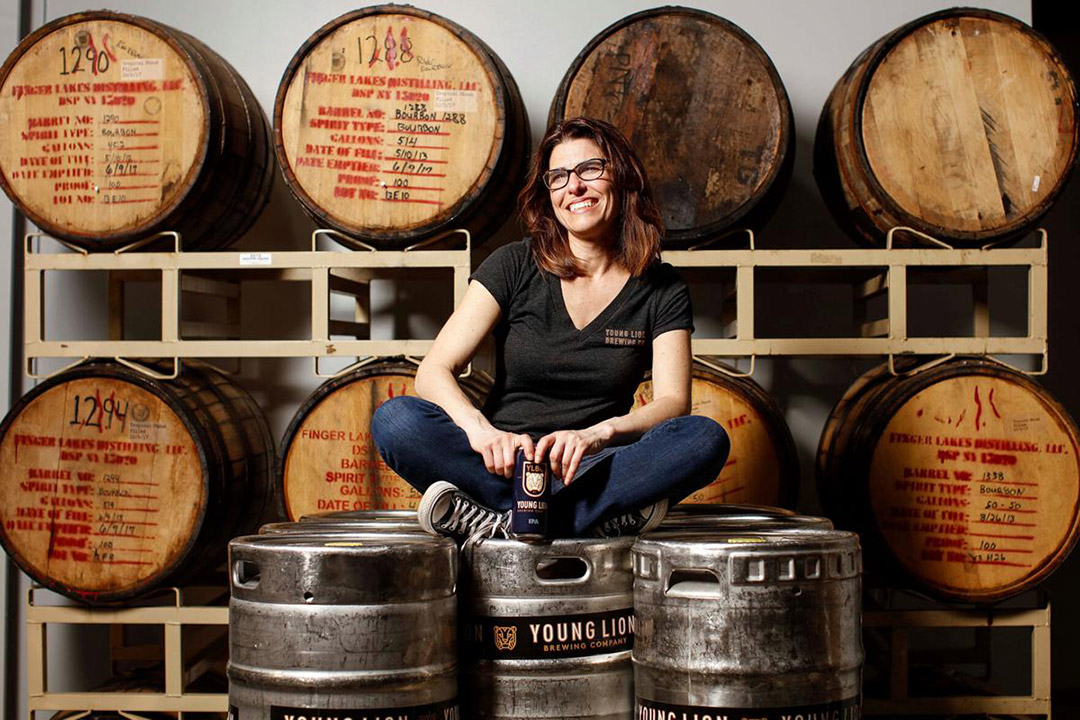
x,y
532,491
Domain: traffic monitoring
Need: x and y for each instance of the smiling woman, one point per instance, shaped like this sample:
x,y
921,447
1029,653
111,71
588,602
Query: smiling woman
x,y
579,312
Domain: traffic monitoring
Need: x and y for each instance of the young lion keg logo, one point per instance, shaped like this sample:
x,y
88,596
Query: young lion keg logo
x,y
505,637
535,479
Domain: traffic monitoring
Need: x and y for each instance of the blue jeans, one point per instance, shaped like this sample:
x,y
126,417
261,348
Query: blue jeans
x,y
673,459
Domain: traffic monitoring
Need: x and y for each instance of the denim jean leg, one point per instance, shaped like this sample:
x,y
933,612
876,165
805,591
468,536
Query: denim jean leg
x,y
420,442
672,460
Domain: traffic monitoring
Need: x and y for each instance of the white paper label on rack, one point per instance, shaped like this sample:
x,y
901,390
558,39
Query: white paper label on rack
x,y
1035,183
256,258
142,69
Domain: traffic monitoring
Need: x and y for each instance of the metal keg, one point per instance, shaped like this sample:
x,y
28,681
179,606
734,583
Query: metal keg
x,y
359,625
748,624
547,629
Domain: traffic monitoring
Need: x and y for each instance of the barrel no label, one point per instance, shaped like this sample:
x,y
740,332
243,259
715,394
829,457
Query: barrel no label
x,y
702,105
328,459
393,123
114,483
116,127
961,124
762,468
964,476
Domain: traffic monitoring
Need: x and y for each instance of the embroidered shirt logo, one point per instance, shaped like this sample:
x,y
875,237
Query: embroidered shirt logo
x,y
623,337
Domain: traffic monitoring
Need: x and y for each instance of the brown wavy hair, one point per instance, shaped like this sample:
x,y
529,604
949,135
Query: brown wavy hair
x,y
640,226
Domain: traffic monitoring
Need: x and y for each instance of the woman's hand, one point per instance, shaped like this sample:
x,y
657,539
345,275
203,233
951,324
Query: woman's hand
x,y
565,448
498,448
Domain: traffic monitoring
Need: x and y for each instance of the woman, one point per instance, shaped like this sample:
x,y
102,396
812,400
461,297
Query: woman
x,y
580,311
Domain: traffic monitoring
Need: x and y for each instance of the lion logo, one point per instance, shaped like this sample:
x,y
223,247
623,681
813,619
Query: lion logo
x,y
535,479
505,637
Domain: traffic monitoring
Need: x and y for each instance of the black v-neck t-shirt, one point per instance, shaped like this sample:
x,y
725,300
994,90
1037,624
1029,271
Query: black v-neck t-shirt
x,y
549,375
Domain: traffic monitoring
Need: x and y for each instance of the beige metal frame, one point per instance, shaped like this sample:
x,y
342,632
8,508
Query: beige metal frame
x,y
184,608
887,335
899,704
349,272
218,273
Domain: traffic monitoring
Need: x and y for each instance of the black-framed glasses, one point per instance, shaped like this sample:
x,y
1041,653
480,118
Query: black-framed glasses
x,y
591,169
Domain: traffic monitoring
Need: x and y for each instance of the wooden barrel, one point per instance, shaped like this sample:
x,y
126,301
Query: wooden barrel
x,y
961,124
703,107
115,127
328,461
393,124
762,468
114,484
963,477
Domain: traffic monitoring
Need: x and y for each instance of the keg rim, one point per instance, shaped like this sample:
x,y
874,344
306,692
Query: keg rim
x,y
358,541
749,539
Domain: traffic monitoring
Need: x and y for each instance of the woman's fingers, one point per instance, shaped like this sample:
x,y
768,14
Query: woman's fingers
x,y
570,445
555,455
509,447
489,458
572,465
527,446
542,446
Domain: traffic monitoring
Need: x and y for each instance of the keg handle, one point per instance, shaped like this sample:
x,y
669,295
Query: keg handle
x,y
724,370
562,570
692,583
246,574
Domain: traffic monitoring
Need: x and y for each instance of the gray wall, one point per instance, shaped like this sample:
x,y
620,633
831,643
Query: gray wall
x,y
811,44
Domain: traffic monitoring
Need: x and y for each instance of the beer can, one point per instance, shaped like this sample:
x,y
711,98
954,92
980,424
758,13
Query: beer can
x,y
532,491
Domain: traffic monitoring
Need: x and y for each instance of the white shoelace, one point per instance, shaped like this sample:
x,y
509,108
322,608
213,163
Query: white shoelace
x,y
475,521
621,521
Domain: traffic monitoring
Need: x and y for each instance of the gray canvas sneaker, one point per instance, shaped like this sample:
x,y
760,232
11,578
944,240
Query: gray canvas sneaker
x,y
446,510
633,523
